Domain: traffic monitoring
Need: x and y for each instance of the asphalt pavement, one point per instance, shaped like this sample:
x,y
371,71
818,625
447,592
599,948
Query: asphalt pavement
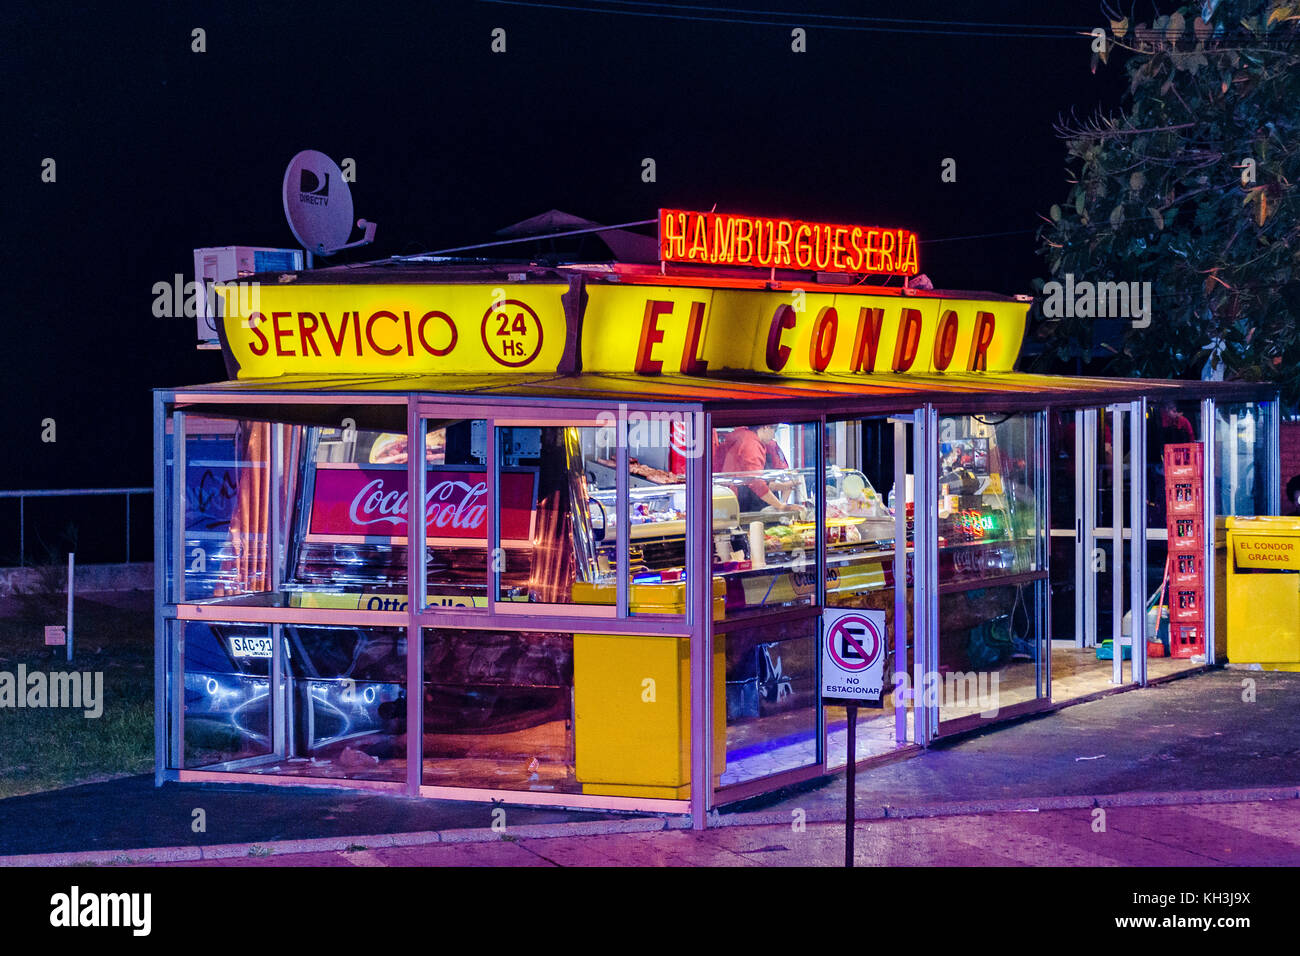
x,y
1204,741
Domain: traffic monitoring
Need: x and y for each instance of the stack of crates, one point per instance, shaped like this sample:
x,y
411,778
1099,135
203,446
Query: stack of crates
x,y
1185,522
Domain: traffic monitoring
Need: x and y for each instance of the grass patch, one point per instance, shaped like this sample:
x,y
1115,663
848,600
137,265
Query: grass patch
x,y
48,748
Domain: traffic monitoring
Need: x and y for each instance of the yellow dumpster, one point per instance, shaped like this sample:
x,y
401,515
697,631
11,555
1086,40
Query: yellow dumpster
x,y
1263,592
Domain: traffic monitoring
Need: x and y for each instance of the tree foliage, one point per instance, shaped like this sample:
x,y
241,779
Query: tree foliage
x,y
1192,187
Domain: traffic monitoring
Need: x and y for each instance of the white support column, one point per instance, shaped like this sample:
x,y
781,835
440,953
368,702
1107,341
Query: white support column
x,y
276,667
178,591
1138,542
699,578
900,587
1271,411
416,592
1117,542
925,564
163,565
1209,455
1086,484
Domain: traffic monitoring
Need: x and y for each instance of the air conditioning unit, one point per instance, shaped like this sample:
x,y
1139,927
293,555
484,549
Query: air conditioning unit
x,y
227,264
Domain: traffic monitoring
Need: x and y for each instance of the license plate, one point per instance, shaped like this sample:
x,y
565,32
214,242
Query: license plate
x,y
250,646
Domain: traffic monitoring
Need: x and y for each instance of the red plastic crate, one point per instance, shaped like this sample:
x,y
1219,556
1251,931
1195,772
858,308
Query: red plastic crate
x,y
1187,604
1187,569
1186,640
1184,454
1183,462
1186,533
1183,498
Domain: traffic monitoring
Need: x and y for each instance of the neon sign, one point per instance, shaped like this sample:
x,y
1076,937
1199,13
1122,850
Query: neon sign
x,y
721,239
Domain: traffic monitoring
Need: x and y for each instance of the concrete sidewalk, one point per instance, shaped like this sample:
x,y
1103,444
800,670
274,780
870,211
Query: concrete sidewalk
x,y
1192,734
1189,741
1238,834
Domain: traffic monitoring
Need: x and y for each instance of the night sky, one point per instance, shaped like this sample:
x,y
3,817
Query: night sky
x,y
160,150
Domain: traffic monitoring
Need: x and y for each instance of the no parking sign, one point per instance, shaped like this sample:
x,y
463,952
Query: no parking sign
x,y
853,654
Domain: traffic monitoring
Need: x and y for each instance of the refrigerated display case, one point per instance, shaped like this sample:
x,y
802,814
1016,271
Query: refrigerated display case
x,y
859,533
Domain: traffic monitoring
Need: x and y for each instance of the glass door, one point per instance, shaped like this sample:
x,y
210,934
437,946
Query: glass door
x,y
989,502
766,496
1109,558
869,503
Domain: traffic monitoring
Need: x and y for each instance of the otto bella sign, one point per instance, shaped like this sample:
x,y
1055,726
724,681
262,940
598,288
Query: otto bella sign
x,y
351,503
721,239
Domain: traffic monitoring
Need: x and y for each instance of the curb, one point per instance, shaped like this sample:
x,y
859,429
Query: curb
x,y
370,841
542,831
1019,805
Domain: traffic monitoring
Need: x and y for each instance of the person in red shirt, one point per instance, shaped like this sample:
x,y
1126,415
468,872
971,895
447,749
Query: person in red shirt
x,y
744,451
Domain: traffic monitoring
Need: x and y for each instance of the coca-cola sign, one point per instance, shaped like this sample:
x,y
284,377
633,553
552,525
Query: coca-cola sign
x,y
351,502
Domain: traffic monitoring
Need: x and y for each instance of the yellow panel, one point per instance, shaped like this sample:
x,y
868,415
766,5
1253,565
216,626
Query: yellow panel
x,y
628,745
394,329
1263,610
1266,551
668,330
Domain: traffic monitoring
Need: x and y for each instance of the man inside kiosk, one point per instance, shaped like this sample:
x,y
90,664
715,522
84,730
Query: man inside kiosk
x,y
749,451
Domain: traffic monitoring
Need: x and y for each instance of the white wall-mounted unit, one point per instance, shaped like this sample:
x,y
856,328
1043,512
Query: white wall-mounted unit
x,y
227,264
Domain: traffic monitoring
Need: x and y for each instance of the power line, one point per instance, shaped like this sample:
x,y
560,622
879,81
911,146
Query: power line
x,y
809,15
981,235
667,15
521,239
897,25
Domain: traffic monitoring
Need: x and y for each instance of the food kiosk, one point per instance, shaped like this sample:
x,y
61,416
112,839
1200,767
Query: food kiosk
x,y
643,486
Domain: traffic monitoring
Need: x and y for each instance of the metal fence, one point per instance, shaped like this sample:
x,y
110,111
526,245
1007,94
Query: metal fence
x,y
22,497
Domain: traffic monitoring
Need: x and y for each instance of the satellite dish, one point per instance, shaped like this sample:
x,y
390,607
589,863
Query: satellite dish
x,y
318,204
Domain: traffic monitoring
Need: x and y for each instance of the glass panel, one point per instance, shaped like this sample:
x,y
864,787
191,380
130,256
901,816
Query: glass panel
x,y
226,686
1063,464
556,513
764,514
989,529
1168,423
1105,555
658,448
860,563
498,710
455,454
1241,467
345,713
350,530
347,688
988,651
341,504
227,509
988,514
772,698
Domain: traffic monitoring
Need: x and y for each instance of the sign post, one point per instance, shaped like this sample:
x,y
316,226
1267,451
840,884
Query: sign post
x,y
853,659
72,558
